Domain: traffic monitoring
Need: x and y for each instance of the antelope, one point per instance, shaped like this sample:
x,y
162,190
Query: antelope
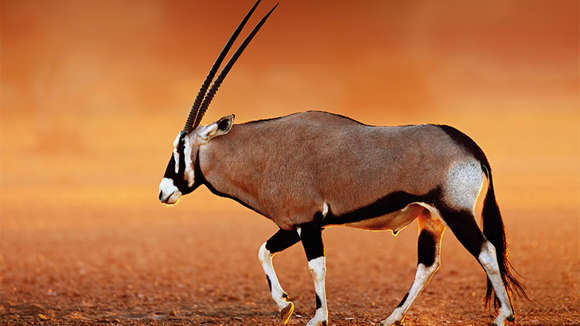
x,y
310,170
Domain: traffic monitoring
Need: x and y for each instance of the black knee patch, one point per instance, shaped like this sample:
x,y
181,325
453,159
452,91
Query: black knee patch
x,y
318,302
311,236
269,283
282,240
426,248
404,299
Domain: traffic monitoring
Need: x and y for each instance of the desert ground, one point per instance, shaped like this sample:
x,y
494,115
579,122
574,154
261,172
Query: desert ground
x,y
122,261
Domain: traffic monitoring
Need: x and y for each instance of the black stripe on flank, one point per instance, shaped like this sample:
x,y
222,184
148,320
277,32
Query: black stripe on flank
x,y
426,248
390,203
403,301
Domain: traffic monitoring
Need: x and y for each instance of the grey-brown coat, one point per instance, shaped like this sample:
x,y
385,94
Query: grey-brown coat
x,y
287,168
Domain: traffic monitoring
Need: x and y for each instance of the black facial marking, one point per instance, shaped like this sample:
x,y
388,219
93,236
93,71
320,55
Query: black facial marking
x,y
403,301
269,283
390,203
179,178
426,248
318,302
311,236
170,170
282,240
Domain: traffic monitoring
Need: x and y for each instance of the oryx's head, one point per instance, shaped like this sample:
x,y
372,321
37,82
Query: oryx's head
x,y
179,178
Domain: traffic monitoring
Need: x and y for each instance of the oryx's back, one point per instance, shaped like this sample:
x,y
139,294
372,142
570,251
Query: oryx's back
x,y
308,159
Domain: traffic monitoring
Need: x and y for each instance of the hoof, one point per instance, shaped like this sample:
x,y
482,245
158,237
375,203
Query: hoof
x,y
493,324
286,313
398,323
511,318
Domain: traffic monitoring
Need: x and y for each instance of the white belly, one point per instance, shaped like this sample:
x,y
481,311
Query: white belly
x,y
395,221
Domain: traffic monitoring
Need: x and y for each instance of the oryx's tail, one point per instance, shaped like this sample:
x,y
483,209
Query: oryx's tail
x,y
494,231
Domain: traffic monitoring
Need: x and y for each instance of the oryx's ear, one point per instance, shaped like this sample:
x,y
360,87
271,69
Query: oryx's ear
x,y
218,128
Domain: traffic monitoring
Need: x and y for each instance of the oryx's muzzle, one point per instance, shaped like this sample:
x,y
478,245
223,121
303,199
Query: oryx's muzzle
x,y
168,192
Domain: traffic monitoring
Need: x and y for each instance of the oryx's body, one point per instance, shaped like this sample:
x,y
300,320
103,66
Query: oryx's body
x,y
289,168
309,170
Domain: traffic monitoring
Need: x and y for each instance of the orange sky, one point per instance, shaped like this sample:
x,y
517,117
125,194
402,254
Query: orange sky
x,y
104,85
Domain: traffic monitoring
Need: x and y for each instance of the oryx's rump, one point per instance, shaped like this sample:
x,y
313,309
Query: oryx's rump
x,y
287,168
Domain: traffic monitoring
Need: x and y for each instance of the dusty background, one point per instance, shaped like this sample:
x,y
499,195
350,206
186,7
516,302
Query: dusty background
x,y
92,94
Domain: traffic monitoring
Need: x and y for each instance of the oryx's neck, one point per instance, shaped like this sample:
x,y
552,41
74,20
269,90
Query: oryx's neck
x,y
227,172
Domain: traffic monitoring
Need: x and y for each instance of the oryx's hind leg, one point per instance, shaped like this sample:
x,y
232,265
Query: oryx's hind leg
x,y
464,185
466,230
431,230
311,236
278,242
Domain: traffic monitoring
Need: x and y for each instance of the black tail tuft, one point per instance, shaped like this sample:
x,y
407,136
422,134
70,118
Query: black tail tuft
x,y
494,231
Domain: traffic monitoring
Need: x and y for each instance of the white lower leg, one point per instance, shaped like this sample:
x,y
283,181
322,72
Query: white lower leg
x,y
317,267
422,277
276,290
488,259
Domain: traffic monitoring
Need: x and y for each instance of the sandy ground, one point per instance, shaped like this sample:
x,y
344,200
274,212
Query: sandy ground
x,y
72,264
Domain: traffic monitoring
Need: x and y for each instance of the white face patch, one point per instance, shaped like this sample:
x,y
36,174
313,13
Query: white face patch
x,y
187,151
176,153
168,192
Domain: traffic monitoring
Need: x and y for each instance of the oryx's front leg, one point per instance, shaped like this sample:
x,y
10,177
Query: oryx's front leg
x,y
311,236
278,242
430,232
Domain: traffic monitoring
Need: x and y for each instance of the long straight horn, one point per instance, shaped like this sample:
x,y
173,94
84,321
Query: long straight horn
x,y
195,107
216,84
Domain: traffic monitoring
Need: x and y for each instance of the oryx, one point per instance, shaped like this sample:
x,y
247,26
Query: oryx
x,y
309,170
